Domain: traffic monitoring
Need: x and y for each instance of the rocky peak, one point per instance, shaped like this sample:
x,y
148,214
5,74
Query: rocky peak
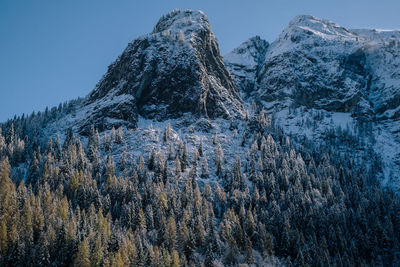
x,y
316,27
174,70
316,63
188,21
319,64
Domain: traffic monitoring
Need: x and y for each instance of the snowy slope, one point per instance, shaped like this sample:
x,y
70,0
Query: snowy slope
x,y
318,76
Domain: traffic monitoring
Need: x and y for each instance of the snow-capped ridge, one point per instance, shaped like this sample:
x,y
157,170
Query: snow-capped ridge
x,y
187,20
378,35
322,28
249,53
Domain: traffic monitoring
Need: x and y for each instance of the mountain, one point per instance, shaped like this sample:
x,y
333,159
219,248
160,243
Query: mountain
x,y
318,63
351,77
281,154
175,69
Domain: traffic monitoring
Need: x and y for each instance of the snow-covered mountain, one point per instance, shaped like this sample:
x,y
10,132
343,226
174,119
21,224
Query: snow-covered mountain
x,y
317,80
348,76
175,69
274,155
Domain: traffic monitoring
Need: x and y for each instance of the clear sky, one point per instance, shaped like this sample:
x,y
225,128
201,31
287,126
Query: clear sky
x,y
53,51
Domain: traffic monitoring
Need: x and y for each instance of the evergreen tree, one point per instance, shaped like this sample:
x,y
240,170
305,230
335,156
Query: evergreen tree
x,y
119,136
201,153
184,157
204,168
218,159
82,255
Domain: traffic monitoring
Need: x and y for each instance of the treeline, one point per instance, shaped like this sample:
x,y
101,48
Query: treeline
x,y
279,205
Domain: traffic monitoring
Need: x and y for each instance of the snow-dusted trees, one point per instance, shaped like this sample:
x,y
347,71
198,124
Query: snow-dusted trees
x,y
178,167
204,168
201,153
181,37
184,156
147,210
219,154
167,133
82,256
215,136
93,150
119,136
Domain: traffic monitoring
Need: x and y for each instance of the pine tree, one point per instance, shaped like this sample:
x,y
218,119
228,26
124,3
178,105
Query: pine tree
x,y
113,134
214,140
2,143
3,238
181,37
82,255
69,138
175,259
218,159
237,180
178,167
6,191
93,145
184,157
195,156
141,221
171,151
11,135
152,159
117,260
34,168
170,233
120,136
201,153
204,168
167,133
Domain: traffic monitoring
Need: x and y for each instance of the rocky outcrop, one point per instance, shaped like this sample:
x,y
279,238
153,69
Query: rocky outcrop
x,y
313,63
176,69
318,64
245,61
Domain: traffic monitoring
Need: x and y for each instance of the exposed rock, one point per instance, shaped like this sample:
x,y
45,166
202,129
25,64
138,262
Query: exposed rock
x,y
245,61
318,64
174,70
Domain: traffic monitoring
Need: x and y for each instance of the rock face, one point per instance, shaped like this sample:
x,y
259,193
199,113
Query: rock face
x,y
318,64
173,70
315,63
382,50
245,61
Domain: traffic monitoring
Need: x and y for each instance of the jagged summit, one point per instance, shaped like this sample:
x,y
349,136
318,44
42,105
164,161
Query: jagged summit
x,y
176,69
186,21
317,63
322,28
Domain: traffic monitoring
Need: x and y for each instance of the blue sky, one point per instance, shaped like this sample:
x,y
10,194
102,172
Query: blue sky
x,y
54,51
